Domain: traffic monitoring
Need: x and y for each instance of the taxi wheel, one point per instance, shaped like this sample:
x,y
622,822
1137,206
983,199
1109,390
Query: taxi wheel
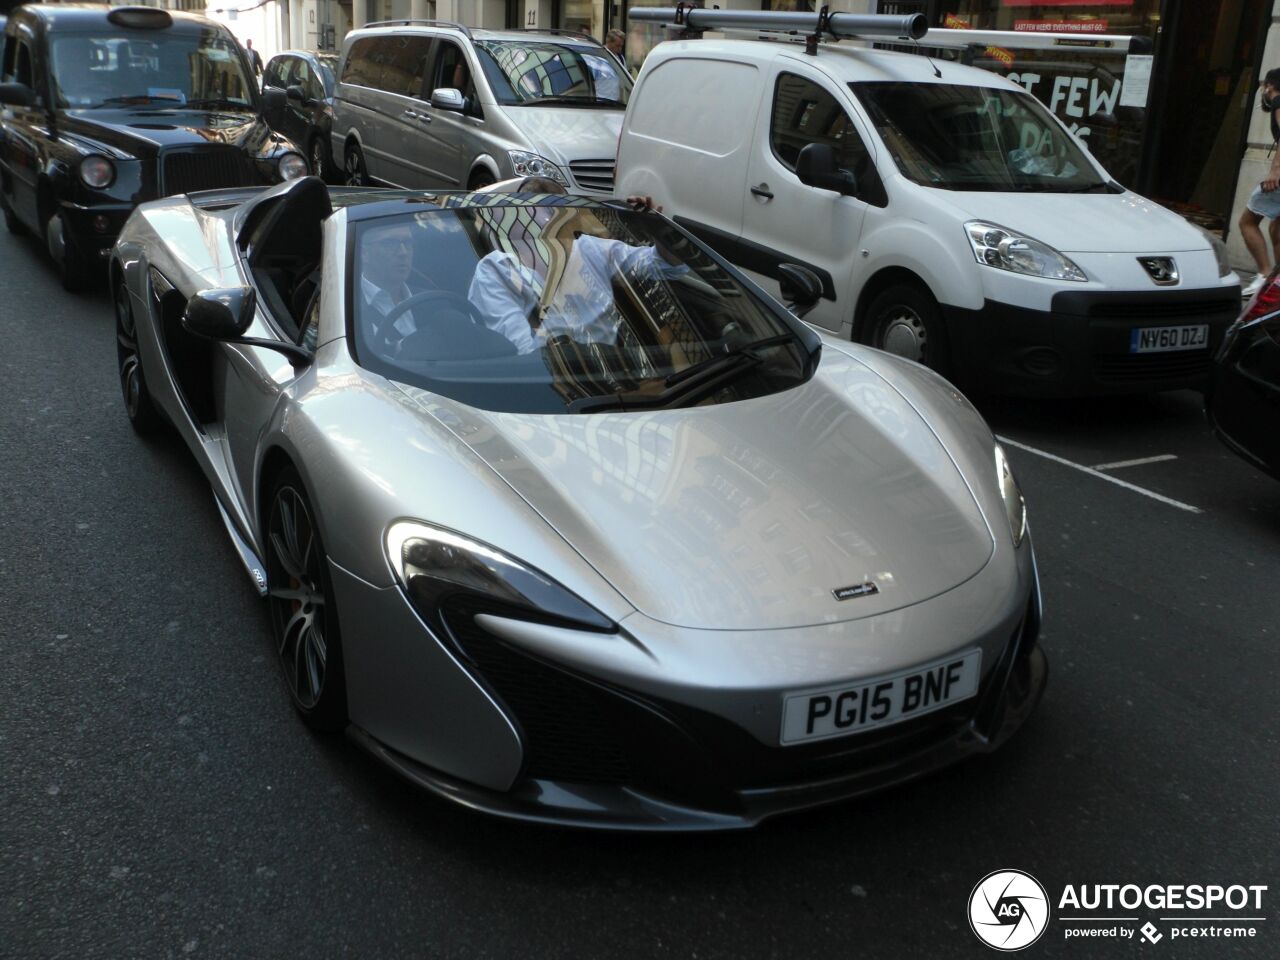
x,y
355,173
303,616
905,320
75,272
143,416
11,221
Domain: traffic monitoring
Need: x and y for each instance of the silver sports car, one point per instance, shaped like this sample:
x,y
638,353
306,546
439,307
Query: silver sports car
x,y
562,518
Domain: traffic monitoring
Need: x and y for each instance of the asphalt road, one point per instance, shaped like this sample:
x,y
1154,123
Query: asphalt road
x,y
159,799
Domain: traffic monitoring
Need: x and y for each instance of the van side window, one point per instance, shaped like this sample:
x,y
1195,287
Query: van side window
x,y
360,68
406,65
805,113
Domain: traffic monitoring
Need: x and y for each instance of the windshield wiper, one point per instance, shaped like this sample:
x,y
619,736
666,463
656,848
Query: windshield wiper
x,y
573,102
690,383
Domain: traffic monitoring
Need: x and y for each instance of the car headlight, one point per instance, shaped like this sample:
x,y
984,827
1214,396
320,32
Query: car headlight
x,y
434,564
532,165
1003,249
1219,250
97,171
1014,506
291,166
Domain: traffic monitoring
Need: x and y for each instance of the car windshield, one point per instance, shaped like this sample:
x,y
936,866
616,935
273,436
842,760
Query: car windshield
x,y
550,73
976,138
539,306
150,69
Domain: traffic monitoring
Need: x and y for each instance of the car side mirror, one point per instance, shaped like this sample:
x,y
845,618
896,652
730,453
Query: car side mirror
x,y
273,100
295,92
448,98
225,314
816,167
800,287
17,95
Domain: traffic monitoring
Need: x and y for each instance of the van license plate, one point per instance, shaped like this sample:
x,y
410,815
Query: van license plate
x,y
879,702
1164,339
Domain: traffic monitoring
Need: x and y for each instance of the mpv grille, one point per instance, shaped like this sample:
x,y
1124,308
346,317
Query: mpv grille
x,y
206,169
593,174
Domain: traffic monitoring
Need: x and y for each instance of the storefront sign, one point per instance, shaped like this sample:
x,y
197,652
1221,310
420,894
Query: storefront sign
x,y
1060,26
1066,3
952,22
1137,80
1001,54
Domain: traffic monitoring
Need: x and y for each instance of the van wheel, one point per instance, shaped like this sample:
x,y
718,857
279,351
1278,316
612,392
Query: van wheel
x,y
481,178
905,320
353,167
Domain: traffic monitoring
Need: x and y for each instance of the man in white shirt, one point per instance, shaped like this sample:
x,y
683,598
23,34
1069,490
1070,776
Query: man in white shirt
x,y
386,261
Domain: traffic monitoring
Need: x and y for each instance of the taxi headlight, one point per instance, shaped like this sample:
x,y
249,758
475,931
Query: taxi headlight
x,y
97,171
998,247
1015,507
291,166
532,165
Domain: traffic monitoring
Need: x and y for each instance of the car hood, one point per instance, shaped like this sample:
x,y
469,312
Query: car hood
x,y
145,132
1085,223
748,515
569,133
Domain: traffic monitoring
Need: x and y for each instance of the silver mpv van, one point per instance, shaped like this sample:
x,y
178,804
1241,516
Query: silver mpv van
x,y
432,104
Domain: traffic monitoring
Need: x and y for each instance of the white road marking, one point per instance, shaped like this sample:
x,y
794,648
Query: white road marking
x,y
1102,476
1135,463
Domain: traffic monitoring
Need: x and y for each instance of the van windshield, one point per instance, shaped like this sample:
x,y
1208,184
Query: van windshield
x,y
976,138
556,74
154,69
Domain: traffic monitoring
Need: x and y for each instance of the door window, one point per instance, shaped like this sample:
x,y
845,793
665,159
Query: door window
x,y
17,62
451,70
405,68
805,113
364,62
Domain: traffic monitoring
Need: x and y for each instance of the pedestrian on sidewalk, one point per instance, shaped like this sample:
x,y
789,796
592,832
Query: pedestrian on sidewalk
x,y
1264,202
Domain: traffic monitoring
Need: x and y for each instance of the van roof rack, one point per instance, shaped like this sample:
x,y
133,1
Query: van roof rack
x,y
420,23
556,30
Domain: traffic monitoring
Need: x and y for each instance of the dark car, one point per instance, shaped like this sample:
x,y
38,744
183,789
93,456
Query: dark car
x,y
104,108
1243,399
306,118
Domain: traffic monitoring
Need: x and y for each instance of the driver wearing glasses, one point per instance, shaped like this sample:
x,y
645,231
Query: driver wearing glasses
x,y
387,262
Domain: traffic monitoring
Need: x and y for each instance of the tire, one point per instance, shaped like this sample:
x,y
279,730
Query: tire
x,y
138,406
11,221
481,178
76,273
321,165
304,618
904,320
355,173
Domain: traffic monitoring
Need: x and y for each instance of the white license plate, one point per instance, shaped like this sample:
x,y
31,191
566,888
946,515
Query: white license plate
x,y
881,701
1164,339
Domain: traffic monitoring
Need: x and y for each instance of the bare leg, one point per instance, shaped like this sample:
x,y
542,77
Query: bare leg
x,y
1273,228
1254,240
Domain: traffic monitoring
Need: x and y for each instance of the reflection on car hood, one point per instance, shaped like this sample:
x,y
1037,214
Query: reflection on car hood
x,y
1084,222
142,133
569,133
748,515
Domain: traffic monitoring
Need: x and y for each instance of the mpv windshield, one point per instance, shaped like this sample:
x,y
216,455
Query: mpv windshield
x,y
536,306
559,74
976,138
153,69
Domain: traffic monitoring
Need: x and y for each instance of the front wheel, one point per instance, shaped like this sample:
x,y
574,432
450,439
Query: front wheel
x,y
138,406
354,170
905,320
11,221
75,271
320,162
303,615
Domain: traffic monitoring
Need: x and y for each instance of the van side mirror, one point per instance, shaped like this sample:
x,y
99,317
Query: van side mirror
x,y
800,287
17,95
448,98
224,314
816,167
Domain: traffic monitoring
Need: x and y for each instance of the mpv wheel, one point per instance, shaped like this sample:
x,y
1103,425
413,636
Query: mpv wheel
x,y
354,170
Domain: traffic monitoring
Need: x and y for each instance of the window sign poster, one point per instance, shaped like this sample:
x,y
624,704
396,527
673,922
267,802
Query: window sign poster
x,y
1137,80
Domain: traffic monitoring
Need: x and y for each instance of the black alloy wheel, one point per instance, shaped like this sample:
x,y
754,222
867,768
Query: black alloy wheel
x,y
355,173
905,320
303,616
143,415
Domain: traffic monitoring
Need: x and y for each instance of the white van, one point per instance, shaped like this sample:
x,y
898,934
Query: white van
x,y
948,215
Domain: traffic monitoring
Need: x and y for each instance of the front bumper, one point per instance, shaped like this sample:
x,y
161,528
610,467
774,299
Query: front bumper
x,y
1080,346
597,755
92,229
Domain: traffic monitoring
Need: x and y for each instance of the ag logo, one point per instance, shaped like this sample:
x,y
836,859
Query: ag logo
x,y
1008,910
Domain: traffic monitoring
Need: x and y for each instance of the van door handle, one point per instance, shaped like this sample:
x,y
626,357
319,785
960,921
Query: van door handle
x,y
762,191
415,115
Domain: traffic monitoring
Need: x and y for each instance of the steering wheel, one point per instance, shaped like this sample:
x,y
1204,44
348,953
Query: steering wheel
x,y
434,296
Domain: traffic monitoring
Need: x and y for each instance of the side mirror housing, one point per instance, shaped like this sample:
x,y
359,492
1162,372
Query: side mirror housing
x,y
816,167
296,92
448,98
801,289
220,314
17,95
273,101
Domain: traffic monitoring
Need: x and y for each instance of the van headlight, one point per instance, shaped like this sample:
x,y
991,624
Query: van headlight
x,y
434,564
1015,507
291,166
1003,249
1219,250
532,165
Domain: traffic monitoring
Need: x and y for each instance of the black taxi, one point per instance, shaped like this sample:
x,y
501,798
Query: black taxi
x,y
102,108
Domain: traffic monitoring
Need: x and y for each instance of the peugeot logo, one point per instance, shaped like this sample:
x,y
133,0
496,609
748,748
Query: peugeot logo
x,y
1162,270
